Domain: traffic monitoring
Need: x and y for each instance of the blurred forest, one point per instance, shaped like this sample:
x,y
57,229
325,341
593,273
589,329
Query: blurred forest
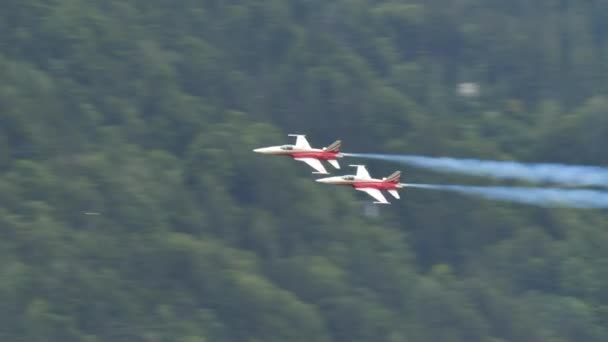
x,y
132,207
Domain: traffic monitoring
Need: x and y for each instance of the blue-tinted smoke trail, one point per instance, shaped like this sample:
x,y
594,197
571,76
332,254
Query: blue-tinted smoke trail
x,y
574,175
588,199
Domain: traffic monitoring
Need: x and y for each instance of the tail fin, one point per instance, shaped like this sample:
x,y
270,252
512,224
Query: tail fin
x,y
334,147
394,177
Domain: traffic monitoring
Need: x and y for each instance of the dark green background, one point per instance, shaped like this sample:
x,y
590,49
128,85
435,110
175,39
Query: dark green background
x,y
132,207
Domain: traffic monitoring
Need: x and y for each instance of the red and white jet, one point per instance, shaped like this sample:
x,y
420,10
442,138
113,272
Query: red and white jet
x,y
303,152
372,186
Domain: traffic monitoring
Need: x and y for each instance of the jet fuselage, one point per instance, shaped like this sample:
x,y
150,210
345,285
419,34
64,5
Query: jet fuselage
x,y
357,183
295,152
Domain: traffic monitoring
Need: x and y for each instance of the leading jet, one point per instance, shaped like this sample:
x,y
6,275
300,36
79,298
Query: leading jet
x,y
302,151
362,181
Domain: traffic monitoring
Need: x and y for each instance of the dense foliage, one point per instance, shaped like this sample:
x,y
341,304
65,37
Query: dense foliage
x,y
132,207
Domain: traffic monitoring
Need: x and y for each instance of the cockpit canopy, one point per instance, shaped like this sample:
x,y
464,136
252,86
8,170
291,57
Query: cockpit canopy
x,y
349,178
287,147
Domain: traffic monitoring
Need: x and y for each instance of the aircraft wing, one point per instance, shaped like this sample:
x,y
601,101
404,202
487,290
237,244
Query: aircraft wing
x,y
301,141
314,163
361,171
376,194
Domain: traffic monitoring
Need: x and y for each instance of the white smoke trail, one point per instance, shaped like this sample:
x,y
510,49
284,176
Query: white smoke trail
x,y
544,197
574,175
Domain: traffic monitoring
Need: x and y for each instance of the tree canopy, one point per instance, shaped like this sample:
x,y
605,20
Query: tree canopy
x,y
132,207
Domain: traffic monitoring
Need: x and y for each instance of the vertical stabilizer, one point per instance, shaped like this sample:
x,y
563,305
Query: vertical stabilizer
x,y
394,177
334,147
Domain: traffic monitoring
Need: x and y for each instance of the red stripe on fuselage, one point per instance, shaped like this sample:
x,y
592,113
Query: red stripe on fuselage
x,y
316,155
375,185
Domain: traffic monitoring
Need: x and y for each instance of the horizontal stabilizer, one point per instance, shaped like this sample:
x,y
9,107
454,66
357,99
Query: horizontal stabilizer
x,y
334,163
394,193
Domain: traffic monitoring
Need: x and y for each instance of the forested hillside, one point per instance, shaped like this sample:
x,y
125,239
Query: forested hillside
x,y
132,207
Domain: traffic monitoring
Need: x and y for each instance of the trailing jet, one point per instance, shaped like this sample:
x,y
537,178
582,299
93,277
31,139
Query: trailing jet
x,y
303,152
372,186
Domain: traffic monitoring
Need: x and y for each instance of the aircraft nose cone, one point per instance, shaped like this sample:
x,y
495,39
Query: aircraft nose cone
x,y
321,180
